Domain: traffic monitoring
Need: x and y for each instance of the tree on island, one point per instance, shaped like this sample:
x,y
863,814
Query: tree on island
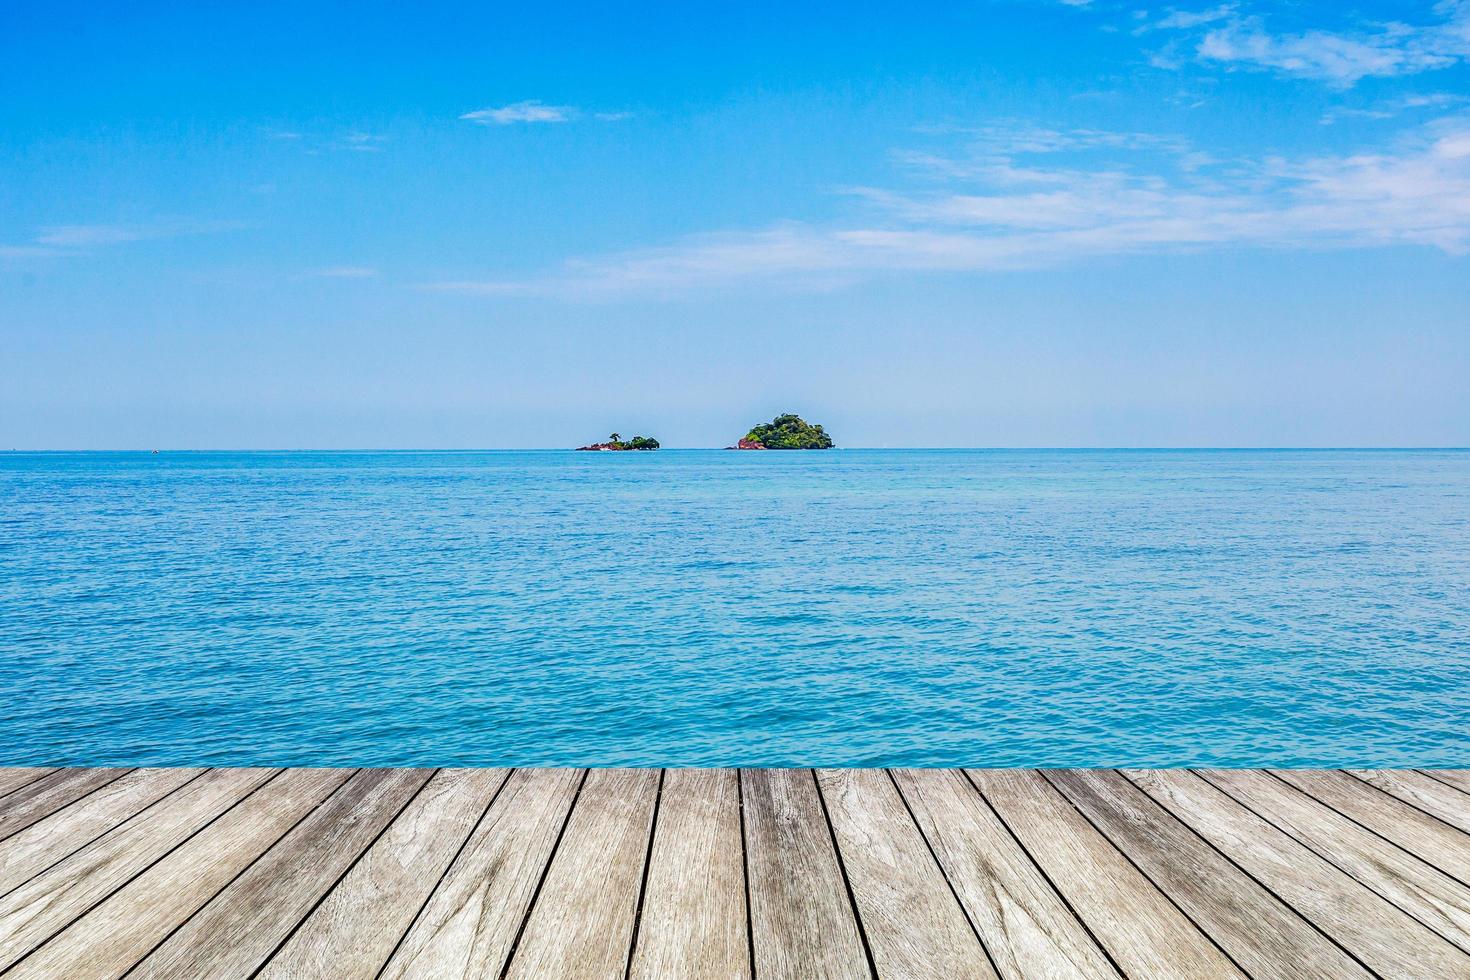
x,y
788,432
615,443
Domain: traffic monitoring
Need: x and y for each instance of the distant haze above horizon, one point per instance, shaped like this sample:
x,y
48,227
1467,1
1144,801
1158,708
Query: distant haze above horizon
x,y
1069,223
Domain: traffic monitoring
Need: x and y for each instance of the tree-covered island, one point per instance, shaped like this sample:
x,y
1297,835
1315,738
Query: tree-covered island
x,y
616,444
785,432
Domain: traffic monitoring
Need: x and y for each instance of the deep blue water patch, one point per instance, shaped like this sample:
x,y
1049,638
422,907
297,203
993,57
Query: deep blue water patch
x,y
925,608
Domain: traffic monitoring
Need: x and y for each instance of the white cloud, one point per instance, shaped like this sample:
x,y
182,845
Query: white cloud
x,y
1184,19
530,111
89,236
1339,57
362,142
1389,108
83,239
1030,213
342,272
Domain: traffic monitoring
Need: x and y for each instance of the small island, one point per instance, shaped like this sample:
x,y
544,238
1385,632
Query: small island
x,y
615,444
785,432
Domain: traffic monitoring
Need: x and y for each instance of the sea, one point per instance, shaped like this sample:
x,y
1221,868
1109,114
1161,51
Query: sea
x,y
710,608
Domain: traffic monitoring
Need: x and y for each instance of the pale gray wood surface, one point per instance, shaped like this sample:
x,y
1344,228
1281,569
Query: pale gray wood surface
x,y
914,926
242,926
52,838
801,918
470,922
717,874
1382,936
1430,795
581,922
1459,778
120,931
49,902
43,797
1145,933
1420,889
1428,838
694,917
13,779
1027,926
353,931
1261,933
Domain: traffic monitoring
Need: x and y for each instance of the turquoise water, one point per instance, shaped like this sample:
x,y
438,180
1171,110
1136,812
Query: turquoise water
x,y
933,608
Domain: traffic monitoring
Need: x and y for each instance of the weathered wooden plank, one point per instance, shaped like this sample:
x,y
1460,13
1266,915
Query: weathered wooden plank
x,y
13,779
1430,795
694,916
355,928
581,923
49,840
1425,892
1263,935
914,925
470,923
38,800
801,919
50,901
1145,933
1026,925
1428,838
241,926
1458,778
116,934
1382,936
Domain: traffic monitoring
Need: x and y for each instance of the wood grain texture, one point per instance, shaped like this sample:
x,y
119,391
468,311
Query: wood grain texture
x,y
15,778
52,838
1458,778
801,919
913,922
1430,795
471,920
1430,839
694,917
356,927
718,874
1259,932
120,931
1145,933
1384,937
241,926
1425,892
581,923
50,901
1026,925
43,797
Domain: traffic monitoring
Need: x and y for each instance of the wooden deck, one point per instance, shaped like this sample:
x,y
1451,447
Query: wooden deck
x,y
689,873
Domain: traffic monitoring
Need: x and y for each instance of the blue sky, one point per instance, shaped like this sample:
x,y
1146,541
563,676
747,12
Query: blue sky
x,y
1040,223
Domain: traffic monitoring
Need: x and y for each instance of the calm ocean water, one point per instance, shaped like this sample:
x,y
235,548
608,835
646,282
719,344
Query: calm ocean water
x,y
933,608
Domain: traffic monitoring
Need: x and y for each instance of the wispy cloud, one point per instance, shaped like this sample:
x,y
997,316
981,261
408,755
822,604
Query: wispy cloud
x,y
354,140
530,111
1176,20
536,111
84,239
1390,108
361,142
992,212
91,236
342,272
1230,35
